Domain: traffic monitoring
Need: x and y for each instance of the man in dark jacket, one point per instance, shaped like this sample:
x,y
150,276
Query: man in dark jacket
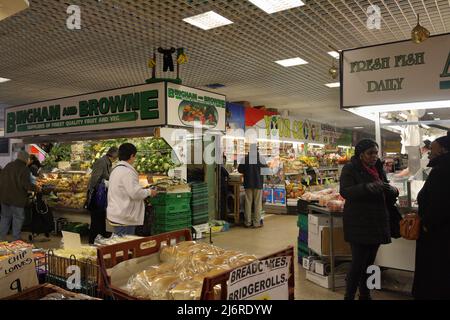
x,y
431,279
253,185
100,173
15,183
367,192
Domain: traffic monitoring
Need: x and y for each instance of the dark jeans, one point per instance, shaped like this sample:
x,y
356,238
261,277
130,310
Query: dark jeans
x,y
98,224
363,256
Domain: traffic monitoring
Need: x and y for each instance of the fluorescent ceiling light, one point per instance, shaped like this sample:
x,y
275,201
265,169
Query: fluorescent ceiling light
x,y
317,144
271,6
430,113
437,119
4,80
358,127
333,85
291,62
208,20
334,54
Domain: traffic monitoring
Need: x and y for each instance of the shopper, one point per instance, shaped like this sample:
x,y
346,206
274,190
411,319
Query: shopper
x,y
367,193
224,176
35,165
253,185
431,278
15,183
125,196
98,182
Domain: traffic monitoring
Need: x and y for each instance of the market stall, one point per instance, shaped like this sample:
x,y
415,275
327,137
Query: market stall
x,y
301,153
385,84
69,134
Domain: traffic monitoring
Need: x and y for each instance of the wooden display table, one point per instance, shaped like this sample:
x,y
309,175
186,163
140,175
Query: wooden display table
x,y
237,199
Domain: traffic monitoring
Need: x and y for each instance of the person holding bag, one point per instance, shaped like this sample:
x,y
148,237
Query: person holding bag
x,y
97,194
367,222
431,278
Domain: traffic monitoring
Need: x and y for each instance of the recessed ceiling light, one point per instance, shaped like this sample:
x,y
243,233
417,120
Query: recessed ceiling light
x,y
291,62
271,6
208,20
358,127
334,54
430,113
4,80
333,85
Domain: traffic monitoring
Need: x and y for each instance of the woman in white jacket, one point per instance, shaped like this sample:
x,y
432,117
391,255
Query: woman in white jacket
x,y
126,206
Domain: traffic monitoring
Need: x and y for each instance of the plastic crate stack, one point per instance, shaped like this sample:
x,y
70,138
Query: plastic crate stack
x,y
302,223
172,211
199,203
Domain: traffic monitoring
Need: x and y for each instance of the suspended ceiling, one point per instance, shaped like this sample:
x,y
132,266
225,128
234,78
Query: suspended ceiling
x,y
45,60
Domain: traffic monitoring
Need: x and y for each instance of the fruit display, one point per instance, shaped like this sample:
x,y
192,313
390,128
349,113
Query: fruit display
x,y
71,200
310,162
294,190
59,152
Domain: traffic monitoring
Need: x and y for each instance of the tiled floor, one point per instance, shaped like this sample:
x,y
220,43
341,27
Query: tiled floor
x,y
278,232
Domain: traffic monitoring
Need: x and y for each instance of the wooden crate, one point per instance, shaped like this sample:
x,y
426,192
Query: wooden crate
x,y
39,292
109,256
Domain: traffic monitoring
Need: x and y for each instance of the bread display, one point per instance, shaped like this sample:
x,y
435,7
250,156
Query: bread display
x,y
182,271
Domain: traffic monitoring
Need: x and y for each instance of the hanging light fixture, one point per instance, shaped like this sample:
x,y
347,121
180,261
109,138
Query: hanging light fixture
x,y
419,34
333,71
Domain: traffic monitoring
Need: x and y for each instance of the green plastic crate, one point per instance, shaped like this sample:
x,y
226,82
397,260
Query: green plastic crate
x,y
173,218
302,222
173,223
158,230
200,208
163,199
200,213
197,202
174,207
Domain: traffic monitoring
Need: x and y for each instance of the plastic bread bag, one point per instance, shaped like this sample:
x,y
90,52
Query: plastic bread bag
x,y
242,260
187,290
139,285
187,267
161,285
170,253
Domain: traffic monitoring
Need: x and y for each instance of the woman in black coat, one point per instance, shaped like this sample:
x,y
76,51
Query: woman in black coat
x,y
431,277
368,197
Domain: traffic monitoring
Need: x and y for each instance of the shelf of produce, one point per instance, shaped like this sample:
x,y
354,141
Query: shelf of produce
x,y
328,169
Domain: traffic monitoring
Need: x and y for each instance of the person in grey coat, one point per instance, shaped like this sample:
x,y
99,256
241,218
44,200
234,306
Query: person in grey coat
x,y
100,172
15,183
367,223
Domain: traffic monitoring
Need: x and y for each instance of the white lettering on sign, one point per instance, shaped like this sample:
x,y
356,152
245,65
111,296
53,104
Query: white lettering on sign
x,y
73,22
267,279
74,281
374,281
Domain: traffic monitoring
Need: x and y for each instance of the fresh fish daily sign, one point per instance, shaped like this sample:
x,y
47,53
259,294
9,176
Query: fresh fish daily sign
x,y
399,72
261,280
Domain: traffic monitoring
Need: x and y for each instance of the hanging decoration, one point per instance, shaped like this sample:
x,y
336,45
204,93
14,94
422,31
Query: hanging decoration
x,y
333,71
419,34
168,64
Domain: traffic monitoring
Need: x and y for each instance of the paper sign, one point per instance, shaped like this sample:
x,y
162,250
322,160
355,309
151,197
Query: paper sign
x,y
71,240
261,280
17,273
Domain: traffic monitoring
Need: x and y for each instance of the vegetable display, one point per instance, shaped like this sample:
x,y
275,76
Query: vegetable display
x,y
191,112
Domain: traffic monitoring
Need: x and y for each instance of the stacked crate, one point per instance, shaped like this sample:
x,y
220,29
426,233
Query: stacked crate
x,y
302,223
171,212
199,203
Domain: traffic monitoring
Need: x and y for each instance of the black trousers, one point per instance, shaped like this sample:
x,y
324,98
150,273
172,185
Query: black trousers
x,y
98,224
363,256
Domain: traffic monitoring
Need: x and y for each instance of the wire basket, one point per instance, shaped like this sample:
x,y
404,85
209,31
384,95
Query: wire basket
x,y
62,271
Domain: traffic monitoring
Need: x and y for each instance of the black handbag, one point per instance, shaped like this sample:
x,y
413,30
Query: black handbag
x,y
395,217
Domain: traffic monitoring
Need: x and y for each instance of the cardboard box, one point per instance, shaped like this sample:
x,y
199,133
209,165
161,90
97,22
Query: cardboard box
x,y
321,267
308,262
325,281
319,235
320,242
